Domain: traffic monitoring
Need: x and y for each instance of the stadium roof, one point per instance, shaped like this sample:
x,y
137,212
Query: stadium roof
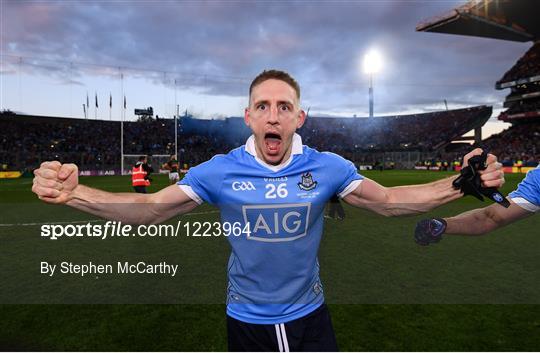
x,y
514,20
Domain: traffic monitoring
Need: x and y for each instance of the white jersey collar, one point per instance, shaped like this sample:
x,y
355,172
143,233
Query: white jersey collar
x,y
296,149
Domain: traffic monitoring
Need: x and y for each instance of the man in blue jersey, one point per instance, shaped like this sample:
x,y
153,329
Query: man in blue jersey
x,y
524,201
276,188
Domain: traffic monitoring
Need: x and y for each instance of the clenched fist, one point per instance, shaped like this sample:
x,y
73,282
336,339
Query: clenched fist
x,y
493,175
54,182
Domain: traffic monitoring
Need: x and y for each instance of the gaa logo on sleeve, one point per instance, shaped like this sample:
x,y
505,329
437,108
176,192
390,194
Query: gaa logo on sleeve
x,y
277,223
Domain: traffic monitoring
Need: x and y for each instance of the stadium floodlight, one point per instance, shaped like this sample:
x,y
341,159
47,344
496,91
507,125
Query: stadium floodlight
x,y
372,64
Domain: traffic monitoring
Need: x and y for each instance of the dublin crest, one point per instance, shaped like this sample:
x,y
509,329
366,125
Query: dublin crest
x,y
307,182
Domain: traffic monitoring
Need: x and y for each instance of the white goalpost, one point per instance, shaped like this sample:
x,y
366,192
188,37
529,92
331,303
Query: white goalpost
x,y
154,160
127,161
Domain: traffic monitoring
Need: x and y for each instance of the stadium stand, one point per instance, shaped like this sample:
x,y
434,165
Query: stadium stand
x,y
517,143
523,91
513,21
499,19
393,133
527,66
523,79
25,141
524,107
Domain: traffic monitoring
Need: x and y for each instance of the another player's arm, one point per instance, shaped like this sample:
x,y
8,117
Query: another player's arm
x,y
484,220
57,183
414,199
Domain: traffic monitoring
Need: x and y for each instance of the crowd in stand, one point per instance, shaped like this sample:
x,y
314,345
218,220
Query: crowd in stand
x,y
520,143
26,142
524,106
404,133
194,149
527,66
96,144
524,96
81,142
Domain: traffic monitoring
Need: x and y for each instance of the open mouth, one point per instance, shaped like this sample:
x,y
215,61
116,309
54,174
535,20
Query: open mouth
x,y
272,142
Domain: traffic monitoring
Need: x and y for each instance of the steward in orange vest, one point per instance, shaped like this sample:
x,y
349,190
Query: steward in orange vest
x,y
140,175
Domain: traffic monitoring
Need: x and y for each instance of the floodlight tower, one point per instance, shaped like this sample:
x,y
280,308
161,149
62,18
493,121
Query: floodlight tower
x,y
372,65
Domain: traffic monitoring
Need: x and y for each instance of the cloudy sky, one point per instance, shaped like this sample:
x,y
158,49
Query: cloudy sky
x,y
202,55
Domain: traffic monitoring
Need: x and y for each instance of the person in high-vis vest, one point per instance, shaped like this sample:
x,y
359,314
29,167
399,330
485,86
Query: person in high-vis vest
x,y
456,164
519,165
140,175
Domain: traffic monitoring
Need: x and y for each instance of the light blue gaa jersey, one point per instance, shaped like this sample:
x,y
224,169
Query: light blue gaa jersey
x,y
273,271
527,194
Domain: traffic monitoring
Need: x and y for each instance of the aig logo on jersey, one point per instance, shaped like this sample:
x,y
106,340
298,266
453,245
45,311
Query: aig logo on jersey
x,y
275,223
243,186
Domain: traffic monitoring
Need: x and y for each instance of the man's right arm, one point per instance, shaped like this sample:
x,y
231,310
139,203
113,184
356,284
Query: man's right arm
x,y
132,208
57,183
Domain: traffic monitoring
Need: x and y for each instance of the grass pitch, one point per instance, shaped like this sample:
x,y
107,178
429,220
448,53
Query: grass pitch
x,y
385,293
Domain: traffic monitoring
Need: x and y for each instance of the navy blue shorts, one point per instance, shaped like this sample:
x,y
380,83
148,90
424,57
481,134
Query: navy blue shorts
x,y
313,332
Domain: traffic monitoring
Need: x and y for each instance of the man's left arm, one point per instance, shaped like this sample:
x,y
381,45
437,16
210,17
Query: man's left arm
x,y
414,199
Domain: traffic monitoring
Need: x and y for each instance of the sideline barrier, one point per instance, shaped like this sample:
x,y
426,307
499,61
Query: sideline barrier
x,y
509,170
10,175
98,172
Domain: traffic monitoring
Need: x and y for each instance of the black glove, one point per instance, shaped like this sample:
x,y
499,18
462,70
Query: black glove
x,y
429,231
470,184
